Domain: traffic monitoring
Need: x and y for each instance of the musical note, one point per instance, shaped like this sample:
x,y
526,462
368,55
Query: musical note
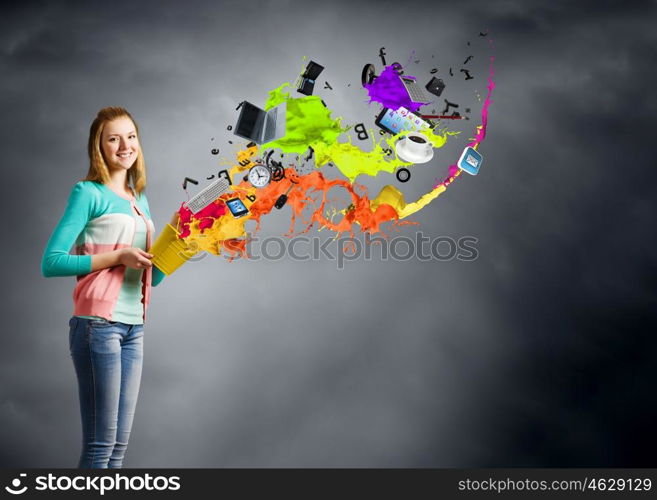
x,y
188,179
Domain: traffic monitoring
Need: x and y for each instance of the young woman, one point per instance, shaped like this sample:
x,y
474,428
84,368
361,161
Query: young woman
x,y
108,220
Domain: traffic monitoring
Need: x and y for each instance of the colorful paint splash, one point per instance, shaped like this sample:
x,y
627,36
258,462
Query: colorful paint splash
x,y
454,170
353,161
310,125
208,237
387,89
308,122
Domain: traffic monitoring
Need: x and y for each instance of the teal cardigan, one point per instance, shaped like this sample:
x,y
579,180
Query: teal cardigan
x,y
98,220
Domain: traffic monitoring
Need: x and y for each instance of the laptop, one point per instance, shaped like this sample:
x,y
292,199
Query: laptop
x,y
307,80
261,126
415,92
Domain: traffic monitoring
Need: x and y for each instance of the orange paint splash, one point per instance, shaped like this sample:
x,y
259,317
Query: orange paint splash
x,y
215,230
300,198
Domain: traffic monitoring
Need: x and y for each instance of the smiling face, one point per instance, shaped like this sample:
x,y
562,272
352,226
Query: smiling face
x,y
119,143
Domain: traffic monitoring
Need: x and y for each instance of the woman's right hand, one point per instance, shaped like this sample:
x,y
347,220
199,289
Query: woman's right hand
x,y
135,258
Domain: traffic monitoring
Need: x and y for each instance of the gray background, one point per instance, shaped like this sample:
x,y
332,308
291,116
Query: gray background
x,y
539,353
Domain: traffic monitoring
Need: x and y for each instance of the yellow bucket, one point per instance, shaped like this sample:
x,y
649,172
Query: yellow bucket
x,y
169,251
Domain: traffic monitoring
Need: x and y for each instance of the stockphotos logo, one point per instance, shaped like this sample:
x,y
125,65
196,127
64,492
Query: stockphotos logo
x,y
15,488
101,484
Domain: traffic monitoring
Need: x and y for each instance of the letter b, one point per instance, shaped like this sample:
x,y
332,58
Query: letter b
x,y
360,130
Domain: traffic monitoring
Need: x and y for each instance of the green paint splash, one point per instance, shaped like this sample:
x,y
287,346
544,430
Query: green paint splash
x,y
353,161
309,124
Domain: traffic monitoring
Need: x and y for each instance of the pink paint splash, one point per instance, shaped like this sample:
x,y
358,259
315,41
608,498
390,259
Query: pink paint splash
x,y
206,217
454,171
389,90
481,135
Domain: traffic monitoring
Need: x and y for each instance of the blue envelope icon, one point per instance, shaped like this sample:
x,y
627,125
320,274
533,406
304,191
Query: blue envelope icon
x,y
470,161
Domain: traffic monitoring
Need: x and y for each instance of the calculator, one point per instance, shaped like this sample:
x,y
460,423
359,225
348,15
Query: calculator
x,y
415,92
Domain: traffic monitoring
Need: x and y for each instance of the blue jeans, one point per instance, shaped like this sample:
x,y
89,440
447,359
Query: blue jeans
x,y
107,356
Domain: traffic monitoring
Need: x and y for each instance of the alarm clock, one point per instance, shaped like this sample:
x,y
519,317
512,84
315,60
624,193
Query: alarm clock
x,y
259,176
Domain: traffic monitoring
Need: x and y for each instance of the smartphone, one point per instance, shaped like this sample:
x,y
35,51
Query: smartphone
x,y
237,207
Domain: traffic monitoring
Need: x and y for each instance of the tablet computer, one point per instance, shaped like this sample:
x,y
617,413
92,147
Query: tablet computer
x,y
395,121
237,207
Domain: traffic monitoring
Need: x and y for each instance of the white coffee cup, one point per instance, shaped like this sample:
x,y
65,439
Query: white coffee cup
x,y
415,148
417,144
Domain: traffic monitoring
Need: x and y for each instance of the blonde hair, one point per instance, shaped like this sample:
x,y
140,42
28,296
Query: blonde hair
x,y
98,171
